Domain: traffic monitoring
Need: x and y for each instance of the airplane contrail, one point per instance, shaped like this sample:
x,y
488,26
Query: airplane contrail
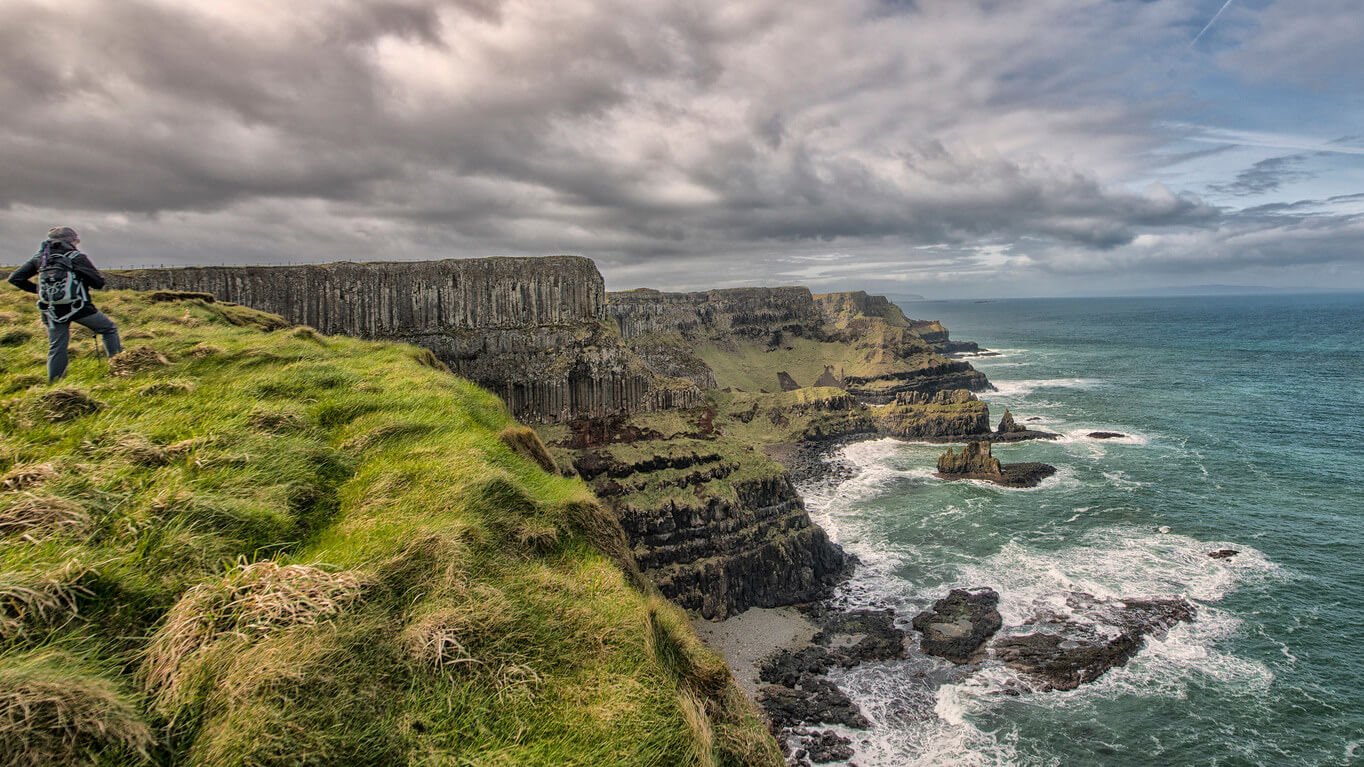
x,y
1205,29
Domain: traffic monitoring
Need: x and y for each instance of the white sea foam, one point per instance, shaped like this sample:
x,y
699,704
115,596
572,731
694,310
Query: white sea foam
x,y
1111,563
1063,477
1081,434
1022,388
916,721
1120,480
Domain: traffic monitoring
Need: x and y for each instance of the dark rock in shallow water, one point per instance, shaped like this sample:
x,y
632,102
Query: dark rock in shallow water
x,y
814,701
957,625
1007,424
861,636
1105,435
1025,474
1033,419
828,746
847,639
975,462
1223,553
1063,653
797,692
786,667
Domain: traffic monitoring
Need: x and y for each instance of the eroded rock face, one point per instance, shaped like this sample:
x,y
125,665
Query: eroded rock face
x,y
712,541
944,414
973,460
756,314
957,626
1064,649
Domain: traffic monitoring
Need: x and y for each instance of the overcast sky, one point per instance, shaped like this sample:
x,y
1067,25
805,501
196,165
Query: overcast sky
x,y
950,148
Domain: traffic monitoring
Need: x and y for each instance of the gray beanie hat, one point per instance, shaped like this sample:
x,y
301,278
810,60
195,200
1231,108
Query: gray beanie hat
x,y
63,234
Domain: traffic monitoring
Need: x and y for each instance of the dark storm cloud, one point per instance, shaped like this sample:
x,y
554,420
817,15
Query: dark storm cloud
x,y
656,136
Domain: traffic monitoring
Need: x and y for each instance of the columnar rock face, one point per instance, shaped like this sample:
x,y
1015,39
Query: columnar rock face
x,y
398,299
531,330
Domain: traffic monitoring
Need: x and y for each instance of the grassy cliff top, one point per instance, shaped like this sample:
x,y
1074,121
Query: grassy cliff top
x,y
247,543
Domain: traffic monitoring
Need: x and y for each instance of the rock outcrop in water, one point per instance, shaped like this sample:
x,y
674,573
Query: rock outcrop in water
x,y
957,626
1007,425
1063,650
976,462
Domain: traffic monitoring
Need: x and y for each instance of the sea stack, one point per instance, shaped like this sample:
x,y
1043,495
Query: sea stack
x,y
975,462
1007,425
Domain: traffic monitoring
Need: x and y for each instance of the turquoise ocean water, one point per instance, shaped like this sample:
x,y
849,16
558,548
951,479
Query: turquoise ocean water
x,y
1245,418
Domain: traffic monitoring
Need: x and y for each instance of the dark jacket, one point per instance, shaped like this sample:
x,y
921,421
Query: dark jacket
x,y
22,278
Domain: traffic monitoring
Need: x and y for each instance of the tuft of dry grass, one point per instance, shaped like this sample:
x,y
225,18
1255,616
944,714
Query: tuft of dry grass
x,y
40,597
15,337
162,388
139,450
536,535
306,333
251,600
136,360
35,516
483,634
445,637
14,383
52,717
427,358
275,421
66,404
698,723
204,350
28,475
139,334
526,443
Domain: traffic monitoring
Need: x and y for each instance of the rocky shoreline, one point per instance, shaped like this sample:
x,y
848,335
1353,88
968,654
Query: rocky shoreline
x,y
1056,648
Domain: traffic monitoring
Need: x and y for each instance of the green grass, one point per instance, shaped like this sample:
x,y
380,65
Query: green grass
x,y
286,548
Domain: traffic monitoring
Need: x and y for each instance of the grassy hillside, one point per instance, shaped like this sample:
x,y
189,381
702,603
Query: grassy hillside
x,y
252,544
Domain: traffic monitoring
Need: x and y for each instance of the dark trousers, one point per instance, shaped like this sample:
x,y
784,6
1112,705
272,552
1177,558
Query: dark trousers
x,y
59,334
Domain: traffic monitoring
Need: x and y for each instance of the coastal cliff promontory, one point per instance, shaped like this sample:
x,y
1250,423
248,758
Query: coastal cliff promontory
x,y
668,404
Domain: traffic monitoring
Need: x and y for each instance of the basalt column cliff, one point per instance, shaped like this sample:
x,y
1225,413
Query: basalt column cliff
x,y
531,330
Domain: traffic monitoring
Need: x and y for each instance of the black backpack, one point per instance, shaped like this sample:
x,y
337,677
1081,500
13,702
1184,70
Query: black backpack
x,y
59,287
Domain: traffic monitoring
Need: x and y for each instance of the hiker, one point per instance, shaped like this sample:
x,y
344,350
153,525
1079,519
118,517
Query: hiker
x,y
65,279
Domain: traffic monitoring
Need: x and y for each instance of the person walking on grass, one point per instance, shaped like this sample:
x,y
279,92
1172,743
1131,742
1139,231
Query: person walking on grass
x,y
65,279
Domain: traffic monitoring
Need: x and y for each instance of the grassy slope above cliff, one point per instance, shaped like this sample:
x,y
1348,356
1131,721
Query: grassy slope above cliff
x,y
269,546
